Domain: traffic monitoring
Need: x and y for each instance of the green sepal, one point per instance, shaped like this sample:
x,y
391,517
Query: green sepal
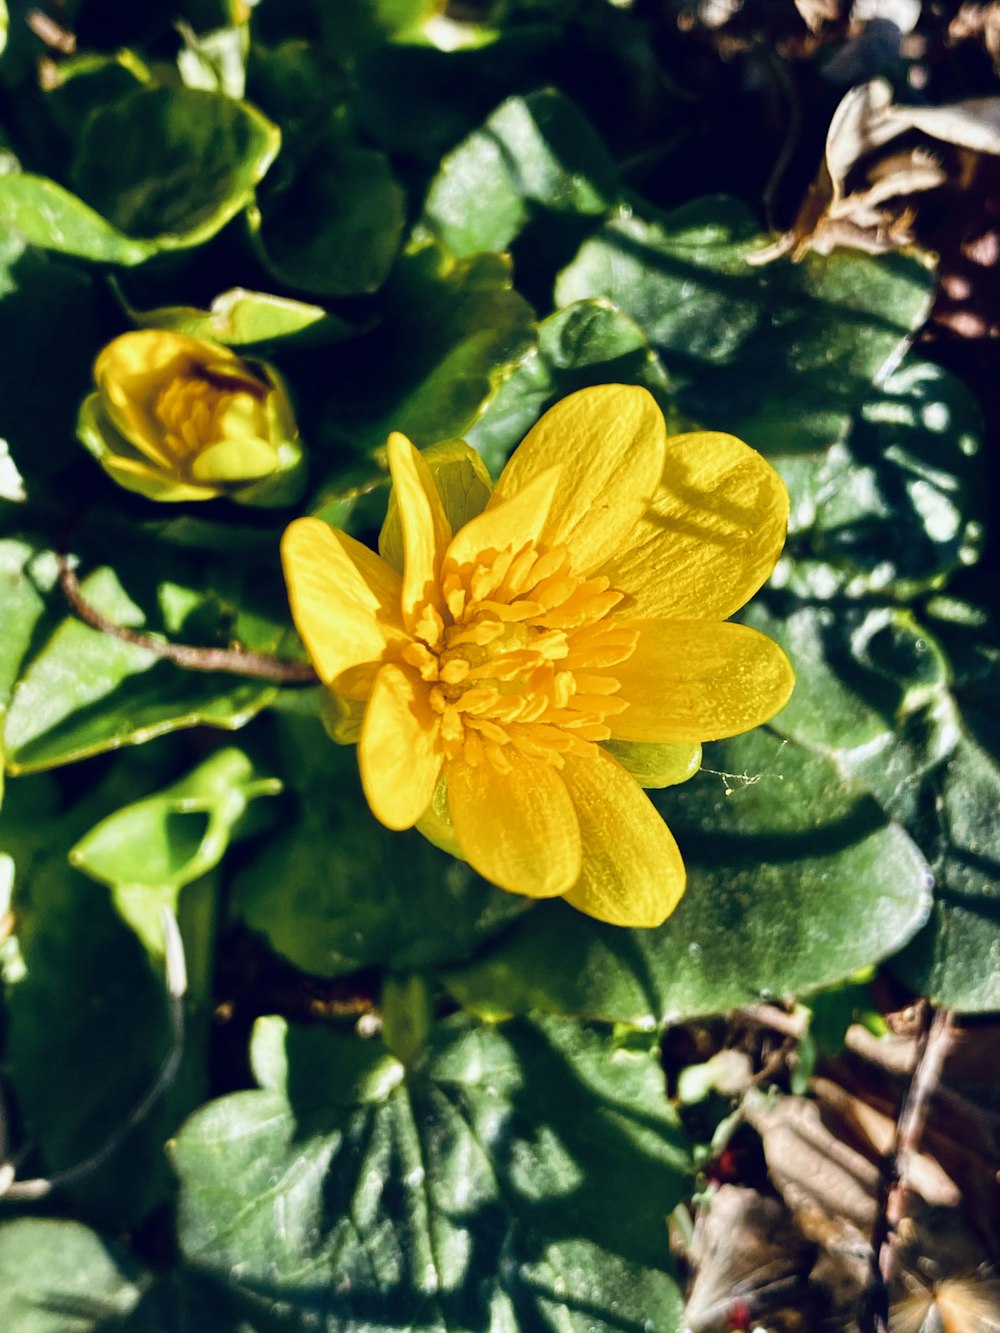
x,y
656,765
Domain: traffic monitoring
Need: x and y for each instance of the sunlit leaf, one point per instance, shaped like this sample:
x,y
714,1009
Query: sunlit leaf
x,y
148,851
779,356
509,1177
200,153
796,879
57,1276
535,151
81,692
450,331
333,891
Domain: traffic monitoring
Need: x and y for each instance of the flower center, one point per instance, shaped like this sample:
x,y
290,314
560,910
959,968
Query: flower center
x,y
201,408
523,657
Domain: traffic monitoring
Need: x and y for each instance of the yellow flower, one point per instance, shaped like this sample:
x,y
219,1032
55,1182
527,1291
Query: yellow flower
x,y
522,660
179,418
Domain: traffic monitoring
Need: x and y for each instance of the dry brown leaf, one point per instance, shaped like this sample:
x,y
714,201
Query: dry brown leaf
x,y
748,1258
828,1186
817,14
863,196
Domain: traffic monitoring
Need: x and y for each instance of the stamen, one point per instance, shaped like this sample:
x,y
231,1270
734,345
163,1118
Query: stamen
x,y
522,659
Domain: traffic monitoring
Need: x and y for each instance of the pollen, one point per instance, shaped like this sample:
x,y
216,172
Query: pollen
x,y
522,657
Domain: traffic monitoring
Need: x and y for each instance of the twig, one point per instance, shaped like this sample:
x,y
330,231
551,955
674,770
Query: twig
x,y
53,34
23,1191
933,1046
237,661
770,1016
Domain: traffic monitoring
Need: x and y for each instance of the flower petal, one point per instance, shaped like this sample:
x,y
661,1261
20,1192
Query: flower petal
x,y
610,442
518,829
463,483
129,374
712,536
509,525
657,765
245,459
399,752
425,527
692,680
344,599
632,871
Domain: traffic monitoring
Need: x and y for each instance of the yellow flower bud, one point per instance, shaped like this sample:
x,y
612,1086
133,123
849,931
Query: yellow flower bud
x,y
178,418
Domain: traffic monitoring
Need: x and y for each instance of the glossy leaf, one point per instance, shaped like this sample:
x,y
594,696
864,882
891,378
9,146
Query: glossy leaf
x,y
534,151
779,356
336,228
53,218
61,1277
148,851
509,1177
82,692
38,422
202,154
896,505
58,1276
450,332
87,1025
879,694
795,880
589,342
240,318
26,578
334,891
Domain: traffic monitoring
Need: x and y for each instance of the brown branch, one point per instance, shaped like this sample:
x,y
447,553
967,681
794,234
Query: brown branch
x,y
237,661
933,1046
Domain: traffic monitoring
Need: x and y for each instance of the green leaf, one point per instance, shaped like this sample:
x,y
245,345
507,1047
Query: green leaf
x,y
198,154
61,1277
334,227
82,692
954,960
779,355
334,891
795,880
450,331
859,668
420,102
50,332
148,851
590,342
58,1276
154,842
239,318
535,150
51,217
514,1177
87,1025
878,694
214,61
897,504
26,577
82,83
